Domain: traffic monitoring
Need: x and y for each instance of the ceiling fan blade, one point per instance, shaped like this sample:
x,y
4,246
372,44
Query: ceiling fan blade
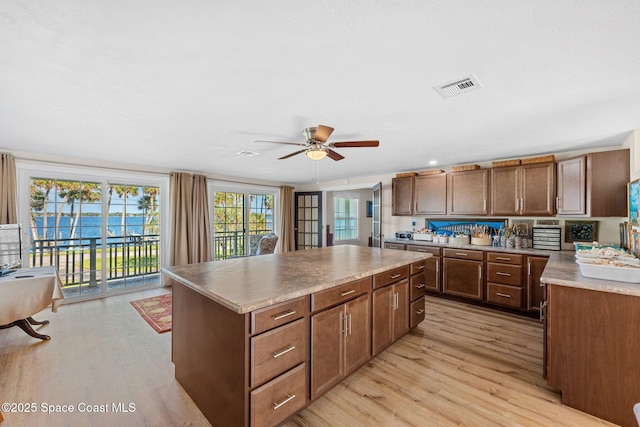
x,y
280,142
322,133
292,154
346,144
333,155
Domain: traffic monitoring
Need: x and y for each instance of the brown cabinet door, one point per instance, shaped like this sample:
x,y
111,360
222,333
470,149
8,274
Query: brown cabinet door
x,y
327,349
400,309
538,189
382,307
572,186
505,194
430,194
535,292
462,278
468,192
358,336
402,195
432,274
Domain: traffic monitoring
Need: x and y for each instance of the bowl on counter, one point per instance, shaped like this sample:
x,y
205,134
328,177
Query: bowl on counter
x,y
481,241
459,240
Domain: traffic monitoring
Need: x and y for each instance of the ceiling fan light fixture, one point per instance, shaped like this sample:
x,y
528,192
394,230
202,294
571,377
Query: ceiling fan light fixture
x,y
316,153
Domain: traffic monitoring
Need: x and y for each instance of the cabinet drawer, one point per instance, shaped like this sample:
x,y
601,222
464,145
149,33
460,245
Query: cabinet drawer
x,y
339,294
425,249
277,351
463,254
277,315
504,273
504,258
394,246
278,399
418,286
418,267
391,276
510,296
416,313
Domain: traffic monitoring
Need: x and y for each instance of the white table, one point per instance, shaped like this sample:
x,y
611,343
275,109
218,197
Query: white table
x,y
27,292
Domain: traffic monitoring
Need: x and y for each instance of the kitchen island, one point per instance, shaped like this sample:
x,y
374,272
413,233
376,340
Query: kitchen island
x,y
592,340
256,339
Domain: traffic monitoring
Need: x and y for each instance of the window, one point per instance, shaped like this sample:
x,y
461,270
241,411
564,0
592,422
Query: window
x,y
101,230
345,216
240,218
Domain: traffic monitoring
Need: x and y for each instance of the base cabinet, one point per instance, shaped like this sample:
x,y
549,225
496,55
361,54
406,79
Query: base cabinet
x,y
339,343
593,347
462,273
390,306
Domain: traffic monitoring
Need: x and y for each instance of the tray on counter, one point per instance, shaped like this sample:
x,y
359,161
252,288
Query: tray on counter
x,y
616,273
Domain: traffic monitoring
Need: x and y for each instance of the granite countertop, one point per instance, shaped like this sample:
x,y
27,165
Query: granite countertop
x,y
250,283
525,251
562,269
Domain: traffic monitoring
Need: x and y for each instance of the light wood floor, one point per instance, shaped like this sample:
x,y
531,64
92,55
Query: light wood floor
x,y
464,365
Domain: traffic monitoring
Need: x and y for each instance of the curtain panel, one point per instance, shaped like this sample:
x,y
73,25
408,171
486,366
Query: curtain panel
x,y
287,223
190,236
8,190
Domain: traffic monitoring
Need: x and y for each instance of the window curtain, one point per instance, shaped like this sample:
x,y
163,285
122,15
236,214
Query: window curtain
x,y
189,215
8,190
287,224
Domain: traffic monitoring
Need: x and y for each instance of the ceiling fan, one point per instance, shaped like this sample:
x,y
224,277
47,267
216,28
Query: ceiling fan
x,y
316,146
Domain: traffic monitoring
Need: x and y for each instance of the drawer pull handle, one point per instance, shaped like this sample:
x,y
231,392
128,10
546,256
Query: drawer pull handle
x,y
345,293
500,294
503,258
395,276
285,351
461,254
420,312
420,286
500,273
420,267
289,398
283,315
421,250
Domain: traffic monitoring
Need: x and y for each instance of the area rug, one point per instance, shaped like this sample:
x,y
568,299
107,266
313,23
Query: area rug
x,y
156,311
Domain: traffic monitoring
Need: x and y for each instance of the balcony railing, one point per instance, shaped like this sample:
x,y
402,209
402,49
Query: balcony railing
x,y
80,261
231,244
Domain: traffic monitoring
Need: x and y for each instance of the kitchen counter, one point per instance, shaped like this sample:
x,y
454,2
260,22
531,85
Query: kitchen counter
x,y
563,270
251,283
525,251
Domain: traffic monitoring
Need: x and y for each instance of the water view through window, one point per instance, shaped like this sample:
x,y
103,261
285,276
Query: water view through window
x,y
102,237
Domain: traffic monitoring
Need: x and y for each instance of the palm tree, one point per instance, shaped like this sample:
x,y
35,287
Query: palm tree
x,y
145,204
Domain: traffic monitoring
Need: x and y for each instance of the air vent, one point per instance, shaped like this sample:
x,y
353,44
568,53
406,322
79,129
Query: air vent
x,y
247,153
458,86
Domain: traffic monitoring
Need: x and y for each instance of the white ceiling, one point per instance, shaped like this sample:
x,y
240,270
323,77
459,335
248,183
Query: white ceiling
x,y
186,85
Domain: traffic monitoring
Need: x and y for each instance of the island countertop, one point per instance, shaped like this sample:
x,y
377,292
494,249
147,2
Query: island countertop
x,y
250,283
562,269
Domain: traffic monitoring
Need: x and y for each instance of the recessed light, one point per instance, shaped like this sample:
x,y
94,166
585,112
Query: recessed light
x,y
247,153
433,162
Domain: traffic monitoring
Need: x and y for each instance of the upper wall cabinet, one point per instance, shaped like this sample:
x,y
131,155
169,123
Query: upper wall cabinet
x,y
594,184
430,194
523,190
468,192
402,195
420,195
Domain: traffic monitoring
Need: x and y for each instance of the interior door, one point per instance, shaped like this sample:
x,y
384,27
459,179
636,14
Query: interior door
x,y
376,223
308,219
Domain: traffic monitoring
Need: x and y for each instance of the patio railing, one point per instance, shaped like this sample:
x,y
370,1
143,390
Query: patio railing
x,y
230,244
79,261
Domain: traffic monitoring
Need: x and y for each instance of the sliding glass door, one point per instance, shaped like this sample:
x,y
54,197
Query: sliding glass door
x,y
103,236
